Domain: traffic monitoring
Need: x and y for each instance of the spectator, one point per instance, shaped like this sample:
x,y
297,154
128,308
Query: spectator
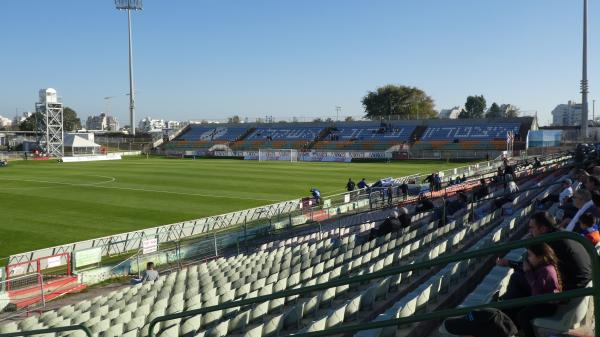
x,y
316,194
350,185
483,190
431,180
150,274
561,198
588,228
574,263
404,189
536,163
362,184
424,206
390,194
482,323
543,277
437,180
582,200
389,225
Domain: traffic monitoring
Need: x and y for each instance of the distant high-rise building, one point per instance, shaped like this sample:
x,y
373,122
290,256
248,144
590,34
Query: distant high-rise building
x,y
567,114
451,113
102,122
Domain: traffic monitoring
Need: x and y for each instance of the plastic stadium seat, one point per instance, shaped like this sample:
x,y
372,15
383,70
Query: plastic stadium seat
x,y
568,316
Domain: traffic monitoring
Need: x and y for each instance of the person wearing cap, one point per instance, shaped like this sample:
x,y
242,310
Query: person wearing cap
x,y
316,194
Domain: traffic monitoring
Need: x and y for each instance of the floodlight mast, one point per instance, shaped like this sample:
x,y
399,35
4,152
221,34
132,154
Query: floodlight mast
x,y
130,5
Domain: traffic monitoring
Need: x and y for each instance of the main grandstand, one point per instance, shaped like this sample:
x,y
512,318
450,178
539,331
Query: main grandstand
x,y
462,138
335,274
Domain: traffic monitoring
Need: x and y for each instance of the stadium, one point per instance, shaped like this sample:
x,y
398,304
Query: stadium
x,y
400,222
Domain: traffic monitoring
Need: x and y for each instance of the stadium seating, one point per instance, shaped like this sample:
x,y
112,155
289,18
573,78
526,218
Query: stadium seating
x,y
304,260
202,137
366,136
483,131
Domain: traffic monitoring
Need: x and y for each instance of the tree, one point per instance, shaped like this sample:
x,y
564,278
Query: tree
x,y
70,120
349,119
233,119
474,107
398,102
512,112
29,124
494,111
317,120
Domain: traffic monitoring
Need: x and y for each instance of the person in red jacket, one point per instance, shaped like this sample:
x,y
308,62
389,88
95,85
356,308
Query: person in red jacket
x,y
589,228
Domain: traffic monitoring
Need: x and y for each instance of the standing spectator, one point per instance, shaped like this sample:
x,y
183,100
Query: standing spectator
x,y
588,228
350,185
483,190
404,189
390,194
316,194
509,171
437,182
362,184
431,180
536,163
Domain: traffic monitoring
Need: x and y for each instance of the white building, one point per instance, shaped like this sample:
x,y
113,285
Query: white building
x,y
567,114
149,124
102,122
5,122
451,113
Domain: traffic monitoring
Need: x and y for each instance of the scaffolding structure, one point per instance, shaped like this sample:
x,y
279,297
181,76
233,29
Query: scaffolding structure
x,y
49,124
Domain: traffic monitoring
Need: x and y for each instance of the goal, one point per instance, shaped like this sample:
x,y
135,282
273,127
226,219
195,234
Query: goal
x,y
290,155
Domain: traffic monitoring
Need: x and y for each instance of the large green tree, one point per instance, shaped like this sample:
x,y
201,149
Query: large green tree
x,y
70,121
398,102
512,112
474,107
494,111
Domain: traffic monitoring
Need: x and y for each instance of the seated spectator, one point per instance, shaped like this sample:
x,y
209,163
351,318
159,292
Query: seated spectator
x,y
482,323
456,205
389,225
536,163
567,191
574,263
588,228
543,277
424,206
582,200
148,275
483,190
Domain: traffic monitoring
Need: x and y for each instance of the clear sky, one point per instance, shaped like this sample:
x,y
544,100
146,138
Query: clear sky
x,y
198,59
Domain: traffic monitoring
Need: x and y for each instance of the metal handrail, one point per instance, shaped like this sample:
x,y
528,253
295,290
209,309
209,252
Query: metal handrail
x,y
85,329
594,291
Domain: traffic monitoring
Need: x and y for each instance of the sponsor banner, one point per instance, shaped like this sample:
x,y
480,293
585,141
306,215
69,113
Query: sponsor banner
x,y
86,257
53,261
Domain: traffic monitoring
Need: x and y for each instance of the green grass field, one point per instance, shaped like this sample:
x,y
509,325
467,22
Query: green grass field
x,y
47,203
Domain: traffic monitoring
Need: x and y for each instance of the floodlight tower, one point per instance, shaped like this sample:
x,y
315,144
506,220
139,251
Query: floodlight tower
x,y
49,123
130,5
584,80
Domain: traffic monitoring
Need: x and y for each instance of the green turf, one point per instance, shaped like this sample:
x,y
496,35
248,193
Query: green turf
x,y
46,203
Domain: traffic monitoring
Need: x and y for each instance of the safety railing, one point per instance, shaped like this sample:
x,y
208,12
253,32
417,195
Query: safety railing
x,y
501,248
85,329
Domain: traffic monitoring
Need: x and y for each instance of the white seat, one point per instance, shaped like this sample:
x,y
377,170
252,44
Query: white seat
x,y
255,332
273,326
336,317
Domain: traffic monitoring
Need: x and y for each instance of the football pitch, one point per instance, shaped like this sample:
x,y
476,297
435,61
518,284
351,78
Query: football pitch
x,y
43,204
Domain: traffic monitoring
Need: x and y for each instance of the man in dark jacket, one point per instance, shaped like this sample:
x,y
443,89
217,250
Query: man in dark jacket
x,y
350,185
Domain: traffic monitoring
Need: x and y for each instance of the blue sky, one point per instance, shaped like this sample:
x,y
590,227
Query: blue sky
x,y
198,59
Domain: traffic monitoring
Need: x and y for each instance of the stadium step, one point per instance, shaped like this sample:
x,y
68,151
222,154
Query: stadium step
x,y
25,297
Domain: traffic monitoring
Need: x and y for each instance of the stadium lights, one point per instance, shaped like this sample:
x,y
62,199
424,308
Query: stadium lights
x,y
584,81
130,5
